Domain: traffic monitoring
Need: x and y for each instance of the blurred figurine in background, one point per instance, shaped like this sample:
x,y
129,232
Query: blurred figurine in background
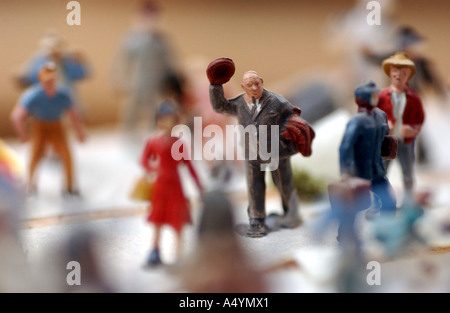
x,y
361,151
405,114
426,80
168,203
408,40
10,165
144,69
82,247
71,66
398,233
197,105
348,197
257,107
352,31
218,264
46,103
15,274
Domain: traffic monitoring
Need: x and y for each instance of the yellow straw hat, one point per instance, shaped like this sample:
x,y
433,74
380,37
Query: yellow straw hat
x,y
398,59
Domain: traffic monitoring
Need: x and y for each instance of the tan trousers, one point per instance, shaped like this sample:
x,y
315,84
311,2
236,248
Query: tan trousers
x,y
52,134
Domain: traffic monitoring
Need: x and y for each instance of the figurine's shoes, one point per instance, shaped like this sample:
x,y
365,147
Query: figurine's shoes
x,y
71,193
154,258
257,229
273,221
291,221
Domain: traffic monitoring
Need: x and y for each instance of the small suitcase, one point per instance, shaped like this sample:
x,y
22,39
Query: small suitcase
x,y
389,148
350,193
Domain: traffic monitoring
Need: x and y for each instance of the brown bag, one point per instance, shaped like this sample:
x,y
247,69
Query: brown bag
x,y
353,192
389,148
143,188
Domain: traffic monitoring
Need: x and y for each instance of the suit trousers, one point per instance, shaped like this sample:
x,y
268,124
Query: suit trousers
x,y
282,177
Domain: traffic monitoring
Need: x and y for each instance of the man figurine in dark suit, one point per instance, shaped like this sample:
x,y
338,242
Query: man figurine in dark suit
x,y
257,109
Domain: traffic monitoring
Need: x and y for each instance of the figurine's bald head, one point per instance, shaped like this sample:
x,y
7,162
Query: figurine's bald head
x,y
252,84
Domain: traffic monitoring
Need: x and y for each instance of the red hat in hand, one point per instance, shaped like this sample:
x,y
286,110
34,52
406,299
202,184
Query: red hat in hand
x,y
220,71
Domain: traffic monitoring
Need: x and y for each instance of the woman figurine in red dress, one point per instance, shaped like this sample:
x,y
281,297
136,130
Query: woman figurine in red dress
x,y
168,203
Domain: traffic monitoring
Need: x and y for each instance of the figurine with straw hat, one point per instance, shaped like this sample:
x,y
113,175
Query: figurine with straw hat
x,y
405,113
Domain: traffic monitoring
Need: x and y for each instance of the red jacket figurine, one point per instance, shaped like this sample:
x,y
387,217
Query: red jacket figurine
x,y
405,114
413,114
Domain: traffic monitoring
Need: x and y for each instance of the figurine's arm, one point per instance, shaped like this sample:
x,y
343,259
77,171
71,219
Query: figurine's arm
x,y
76,123
29,74
411,128
19,116
347,149
76,67
185,159
147,155
410,131
218,101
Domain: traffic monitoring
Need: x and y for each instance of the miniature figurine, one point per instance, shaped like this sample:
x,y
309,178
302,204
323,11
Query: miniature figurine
x,y
144,69
168,203
405,114
71,66
82,247
46,103
259,107
15,272
426,78
348,197
9,162
361,153
218,264
396,233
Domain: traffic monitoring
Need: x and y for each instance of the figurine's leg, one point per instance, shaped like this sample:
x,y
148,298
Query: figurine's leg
x,y
387,163
256,190
179,246
282,178
133,107
383,189
151,107
39,144
346,232
61,147
256,186
154,257
407,158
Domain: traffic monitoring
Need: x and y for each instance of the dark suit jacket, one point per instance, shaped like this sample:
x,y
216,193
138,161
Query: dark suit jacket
x,y
275,110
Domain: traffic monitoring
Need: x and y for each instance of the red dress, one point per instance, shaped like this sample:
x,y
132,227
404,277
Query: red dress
x,y
169,205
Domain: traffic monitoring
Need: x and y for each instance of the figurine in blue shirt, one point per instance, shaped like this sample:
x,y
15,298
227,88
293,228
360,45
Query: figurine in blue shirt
x,y
46,103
